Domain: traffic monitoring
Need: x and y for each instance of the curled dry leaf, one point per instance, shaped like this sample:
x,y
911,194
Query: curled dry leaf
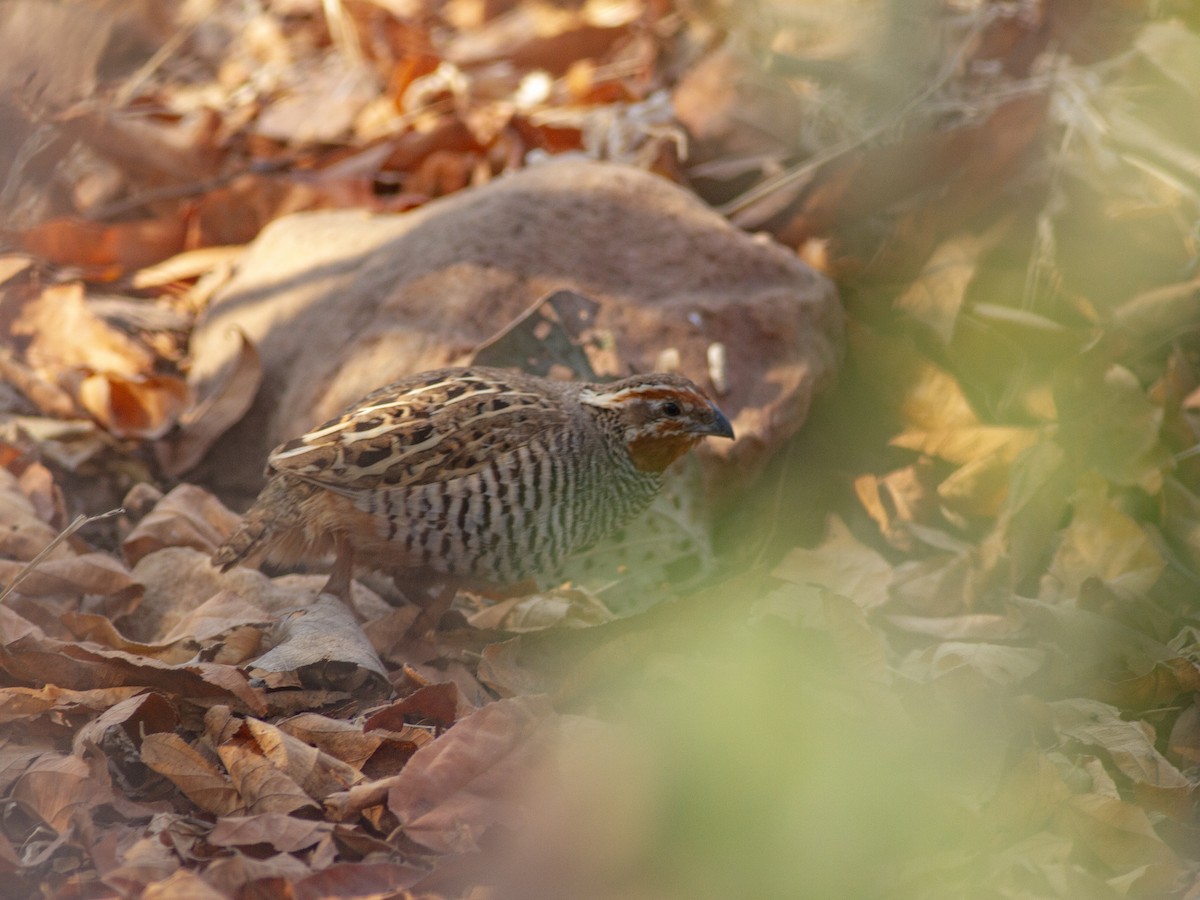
x,y
315,771
100,630
433,704
324,644
261,784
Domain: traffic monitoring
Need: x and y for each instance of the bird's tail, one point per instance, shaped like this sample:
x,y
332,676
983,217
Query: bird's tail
x,y
274,514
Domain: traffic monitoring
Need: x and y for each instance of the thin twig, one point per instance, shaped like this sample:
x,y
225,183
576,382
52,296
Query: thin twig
x,y
79,522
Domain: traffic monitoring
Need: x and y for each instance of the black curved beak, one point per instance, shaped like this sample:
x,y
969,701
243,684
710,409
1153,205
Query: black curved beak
x,y
718,427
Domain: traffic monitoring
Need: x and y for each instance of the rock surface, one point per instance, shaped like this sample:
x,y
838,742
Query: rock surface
x,y
340,303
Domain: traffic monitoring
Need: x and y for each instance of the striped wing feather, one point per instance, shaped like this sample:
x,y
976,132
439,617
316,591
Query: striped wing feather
x,y
431,427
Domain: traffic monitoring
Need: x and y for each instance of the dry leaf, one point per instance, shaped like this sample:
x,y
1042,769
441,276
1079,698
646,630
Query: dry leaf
x,y
453,790
188,516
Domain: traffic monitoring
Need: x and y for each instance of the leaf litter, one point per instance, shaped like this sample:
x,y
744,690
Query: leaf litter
x,y
982,679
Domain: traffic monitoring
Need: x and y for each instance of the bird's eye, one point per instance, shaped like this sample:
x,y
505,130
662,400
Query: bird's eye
x,y
671,408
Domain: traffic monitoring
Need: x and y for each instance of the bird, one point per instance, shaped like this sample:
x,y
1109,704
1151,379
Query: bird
x,y
472,477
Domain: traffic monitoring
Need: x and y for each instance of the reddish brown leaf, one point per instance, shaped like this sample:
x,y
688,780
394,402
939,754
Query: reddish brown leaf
x,y
437,704
107,249
142,406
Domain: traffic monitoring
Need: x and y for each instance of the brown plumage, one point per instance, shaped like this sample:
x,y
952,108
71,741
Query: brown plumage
x,y
472,477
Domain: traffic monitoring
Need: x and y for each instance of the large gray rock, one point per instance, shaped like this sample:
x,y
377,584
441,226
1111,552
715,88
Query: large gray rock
x,y
340,303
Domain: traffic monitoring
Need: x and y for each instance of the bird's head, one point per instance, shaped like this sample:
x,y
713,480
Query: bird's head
x,y
660,417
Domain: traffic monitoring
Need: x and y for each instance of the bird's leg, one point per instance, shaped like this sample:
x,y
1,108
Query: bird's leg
x,y
343,568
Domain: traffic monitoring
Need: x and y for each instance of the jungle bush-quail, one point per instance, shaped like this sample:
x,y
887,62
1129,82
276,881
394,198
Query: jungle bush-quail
x,y
471,477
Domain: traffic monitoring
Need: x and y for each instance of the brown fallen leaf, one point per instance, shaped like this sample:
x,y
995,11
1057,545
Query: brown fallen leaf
x,y
188,516
60,334
281,832
23,531
107,249
1104,543
841,564
88,573
142,407
138,716
362,879
184,267
100,630
240,874
57,788
1130,744
183,884
340,739
223,405
263,786
456,788
192,772
144,858
999,664
436,704
1121,834
19,704
33,658
315,771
